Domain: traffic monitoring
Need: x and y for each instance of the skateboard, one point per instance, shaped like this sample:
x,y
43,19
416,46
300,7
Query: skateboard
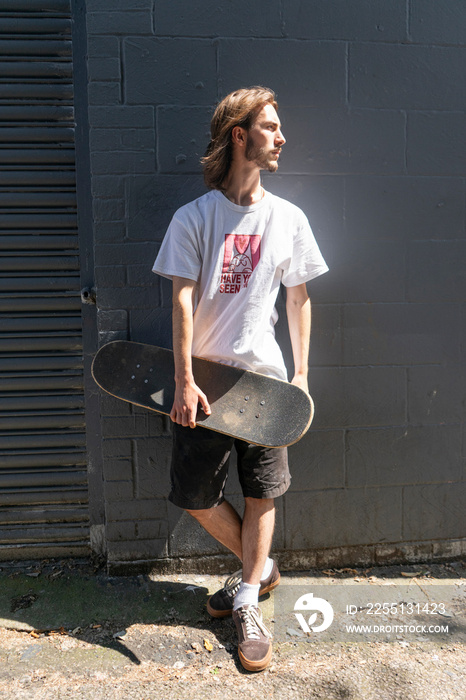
x,y
245,405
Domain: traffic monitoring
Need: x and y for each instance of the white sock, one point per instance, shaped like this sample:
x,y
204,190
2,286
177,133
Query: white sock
x,y
248,594
267,568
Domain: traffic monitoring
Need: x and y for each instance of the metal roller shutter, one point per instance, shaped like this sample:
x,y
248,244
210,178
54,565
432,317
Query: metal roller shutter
x,y
43,477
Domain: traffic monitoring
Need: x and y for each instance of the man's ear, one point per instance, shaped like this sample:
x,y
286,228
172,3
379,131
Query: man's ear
x,y
238,136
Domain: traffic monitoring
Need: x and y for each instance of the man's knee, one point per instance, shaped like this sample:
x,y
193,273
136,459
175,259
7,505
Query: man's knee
x,y
261,505
201,514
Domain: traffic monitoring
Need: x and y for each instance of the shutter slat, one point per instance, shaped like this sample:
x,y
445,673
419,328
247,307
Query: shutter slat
x,y
43,477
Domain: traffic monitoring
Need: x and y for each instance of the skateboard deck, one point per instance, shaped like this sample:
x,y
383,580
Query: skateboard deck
x,y
245,405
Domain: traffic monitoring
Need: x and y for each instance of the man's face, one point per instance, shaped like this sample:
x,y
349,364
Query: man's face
x,y
265,140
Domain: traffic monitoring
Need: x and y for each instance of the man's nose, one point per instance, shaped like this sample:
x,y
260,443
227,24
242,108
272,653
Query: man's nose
x,y
280,138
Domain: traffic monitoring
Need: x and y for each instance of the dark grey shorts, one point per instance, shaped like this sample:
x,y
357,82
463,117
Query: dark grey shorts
x,y
200,462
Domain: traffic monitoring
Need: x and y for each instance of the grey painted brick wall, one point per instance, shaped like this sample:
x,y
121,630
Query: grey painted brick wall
x,y
372,101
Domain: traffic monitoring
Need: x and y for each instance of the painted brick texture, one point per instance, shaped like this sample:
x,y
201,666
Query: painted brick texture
x,y
372,107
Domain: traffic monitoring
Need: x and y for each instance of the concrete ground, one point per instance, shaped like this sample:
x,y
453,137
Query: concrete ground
x,y
67,631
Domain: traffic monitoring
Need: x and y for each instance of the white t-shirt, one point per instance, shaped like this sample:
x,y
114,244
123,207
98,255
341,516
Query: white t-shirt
x,y
239,256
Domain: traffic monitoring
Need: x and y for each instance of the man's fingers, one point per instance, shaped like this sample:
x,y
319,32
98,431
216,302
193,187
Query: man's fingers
x,y
204,404
184,417
185,413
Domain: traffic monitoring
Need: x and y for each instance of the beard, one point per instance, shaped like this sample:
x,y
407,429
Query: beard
x,y
260,156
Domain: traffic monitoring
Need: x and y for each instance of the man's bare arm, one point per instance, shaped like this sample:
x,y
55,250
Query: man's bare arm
x,y
187,393
298,311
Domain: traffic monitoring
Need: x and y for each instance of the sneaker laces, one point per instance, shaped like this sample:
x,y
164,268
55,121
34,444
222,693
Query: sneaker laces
x,y
232,583
252,619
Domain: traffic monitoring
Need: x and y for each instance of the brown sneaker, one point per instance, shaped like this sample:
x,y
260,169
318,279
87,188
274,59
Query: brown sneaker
x,y
220,604
254,639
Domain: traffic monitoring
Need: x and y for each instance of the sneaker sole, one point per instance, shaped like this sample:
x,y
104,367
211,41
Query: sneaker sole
x,y
255,665
225,613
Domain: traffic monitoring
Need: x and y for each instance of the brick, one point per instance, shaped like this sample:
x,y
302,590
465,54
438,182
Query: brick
x,y
110,336
341,517
132,426
137,509
321,67
137,550
433,22
118,469
449,550
405,455
102,47
170,71
108,209
434,512
320,197
366,271
182,137
155,483
109,231
110,406
121,116
152,201
337,141
359,396
326,337
122,162
127,298
211,18
400,334
125,531
122,253
404,207
166,289
121,139
152,455
437,271
108,186
119,449
96,5
118,490
141,275
152,325
116,319
317,460
436,143
104,92
111,275
355,21
106,68
463,331
428,74
117,22
436,394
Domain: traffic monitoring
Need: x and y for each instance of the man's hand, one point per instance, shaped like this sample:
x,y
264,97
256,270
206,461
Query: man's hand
x,y
187,398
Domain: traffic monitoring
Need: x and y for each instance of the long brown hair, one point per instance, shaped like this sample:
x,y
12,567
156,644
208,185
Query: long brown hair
x,y
239,108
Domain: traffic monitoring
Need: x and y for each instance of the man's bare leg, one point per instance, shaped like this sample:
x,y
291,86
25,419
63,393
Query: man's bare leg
x,y
256,536
249,539
224,524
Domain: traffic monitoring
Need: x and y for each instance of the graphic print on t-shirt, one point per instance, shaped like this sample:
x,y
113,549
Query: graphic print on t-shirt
x,y
241,255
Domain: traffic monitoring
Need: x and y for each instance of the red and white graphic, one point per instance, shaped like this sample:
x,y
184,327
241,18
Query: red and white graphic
x,y
242,253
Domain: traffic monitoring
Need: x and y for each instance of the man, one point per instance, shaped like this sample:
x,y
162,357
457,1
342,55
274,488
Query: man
x,y
227,254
